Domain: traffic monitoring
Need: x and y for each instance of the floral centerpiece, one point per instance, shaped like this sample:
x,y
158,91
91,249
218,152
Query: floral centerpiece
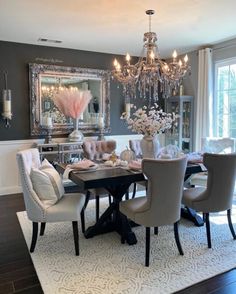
x,y
149,122
72,103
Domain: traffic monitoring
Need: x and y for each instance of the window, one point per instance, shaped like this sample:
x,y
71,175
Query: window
x,y
225,98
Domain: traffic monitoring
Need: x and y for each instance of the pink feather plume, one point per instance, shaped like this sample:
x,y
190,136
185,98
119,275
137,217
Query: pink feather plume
x,y
72,102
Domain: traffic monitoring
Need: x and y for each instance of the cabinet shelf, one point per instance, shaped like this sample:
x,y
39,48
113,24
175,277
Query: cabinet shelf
x,y
181,132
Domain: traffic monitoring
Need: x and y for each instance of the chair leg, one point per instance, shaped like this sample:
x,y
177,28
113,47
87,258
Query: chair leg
x,y
42,229
156,230
122,228
34,236
176,232
147,253
134,190
208,229
76,236
204,217
87,197
82,221
109,198
97,208
230,223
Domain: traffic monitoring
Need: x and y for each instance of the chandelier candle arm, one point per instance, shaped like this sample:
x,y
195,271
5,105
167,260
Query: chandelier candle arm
x,y
150,75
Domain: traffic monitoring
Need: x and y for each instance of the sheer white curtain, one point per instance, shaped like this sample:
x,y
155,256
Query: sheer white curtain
x,y
204,101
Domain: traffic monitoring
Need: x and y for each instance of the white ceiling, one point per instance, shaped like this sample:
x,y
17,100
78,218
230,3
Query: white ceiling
x,y
117,26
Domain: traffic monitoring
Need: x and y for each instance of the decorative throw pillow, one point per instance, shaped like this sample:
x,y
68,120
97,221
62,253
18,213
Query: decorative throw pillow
x,y
45,163
47,184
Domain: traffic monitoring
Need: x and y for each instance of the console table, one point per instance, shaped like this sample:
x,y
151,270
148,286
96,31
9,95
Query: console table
x,y
65,152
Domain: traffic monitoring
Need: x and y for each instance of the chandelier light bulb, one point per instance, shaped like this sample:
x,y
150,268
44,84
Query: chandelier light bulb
x,y
186,58
180,63
174,55
128,57
118,67
115,63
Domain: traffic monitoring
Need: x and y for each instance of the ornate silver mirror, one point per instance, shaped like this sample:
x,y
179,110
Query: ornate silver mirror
x,y
46,80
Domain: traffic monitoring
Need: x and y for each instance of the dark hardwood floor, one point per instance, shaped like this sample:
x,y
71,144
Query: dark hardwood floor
x,y
17,274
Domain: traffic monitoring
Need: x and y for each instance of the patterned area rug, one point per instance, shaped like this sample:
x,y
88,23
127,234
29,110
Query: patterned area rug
x,y
106,266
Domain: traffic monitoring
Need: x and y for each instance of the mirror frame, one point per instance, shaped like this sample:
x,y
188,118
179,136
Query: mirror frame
x,y
35,70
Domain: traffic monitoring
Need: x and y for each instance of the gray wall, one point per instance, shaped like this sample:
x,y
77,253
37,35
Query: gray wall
x,y
15,57
224,50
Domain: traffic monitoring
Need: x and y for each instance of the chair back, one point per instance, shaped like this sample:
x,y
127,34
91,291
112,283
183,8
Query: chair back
x,y
165,188
135,146
95,149
220,182
26,159
218,145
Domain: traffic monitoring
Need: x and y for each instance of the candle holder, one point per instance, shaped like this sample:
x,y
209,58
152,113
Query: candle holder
x,y
7,114
48,137
101,127
47,132
101,136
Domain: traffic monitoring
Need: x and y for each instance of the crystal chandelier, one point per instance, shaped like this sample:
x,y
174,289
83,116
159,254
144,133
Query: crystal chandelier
x,y
150,76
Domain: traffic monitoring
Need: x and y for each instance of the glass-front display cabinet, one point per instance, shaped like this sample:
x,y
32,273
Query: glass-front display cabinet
x,y
181,134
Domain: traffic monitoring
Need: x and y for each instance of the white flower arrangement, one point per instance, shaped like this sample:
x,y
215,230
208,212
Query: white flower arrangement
x,y
149,122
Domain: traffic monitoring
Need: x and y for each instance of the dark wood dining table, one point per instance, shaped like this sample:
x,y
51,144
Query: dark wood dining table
x,y
116,181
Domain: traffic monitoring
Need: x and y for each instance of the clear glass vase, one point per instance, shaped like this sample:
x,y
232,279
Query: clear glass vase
x,y
150,146
76,135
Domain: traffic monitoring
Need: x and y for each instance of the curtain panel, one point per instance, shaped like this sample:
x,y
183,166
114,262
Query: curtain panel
x,y
204,102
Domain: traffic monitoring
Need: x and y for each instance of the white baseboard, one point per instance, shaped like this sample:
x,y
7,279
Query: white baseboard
x,y
10,190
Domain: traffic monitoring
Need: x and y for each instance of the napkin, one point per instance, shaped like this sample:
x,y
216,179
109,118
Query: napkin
x,y
81,165
135,164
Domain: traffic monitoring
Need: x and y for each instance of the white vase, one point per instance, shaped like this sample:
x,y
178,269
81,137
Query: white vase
x,y
150,146
76,135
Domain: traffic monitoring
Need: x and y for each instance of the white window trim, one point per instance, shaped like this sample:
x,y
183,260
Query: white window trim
x,y
219,63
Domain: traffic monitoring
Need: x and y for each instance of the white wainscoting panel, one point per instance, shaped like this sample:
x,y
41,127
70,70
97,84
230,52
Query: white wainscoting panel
x,y
9,176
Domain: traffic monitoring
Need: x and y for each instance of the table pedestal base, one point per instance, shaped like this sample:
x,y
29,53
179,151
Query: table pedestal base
x,y
111,219
191,215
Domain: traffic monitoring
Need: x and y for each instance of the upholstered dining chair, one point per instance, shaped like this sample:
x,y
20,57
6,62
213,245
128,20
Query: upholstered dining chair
x,y
44,196
218,194
212,145
135,146
162,204
95,150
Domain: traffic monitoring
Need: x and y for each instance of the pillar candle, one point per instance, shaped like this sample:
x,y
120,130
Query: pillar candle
x,y
127,108
100,121
49,121
7,101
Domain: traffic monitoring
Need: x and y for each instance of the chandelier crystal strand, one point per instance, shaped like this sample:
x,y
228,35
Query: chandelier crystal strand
x,y
150,76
